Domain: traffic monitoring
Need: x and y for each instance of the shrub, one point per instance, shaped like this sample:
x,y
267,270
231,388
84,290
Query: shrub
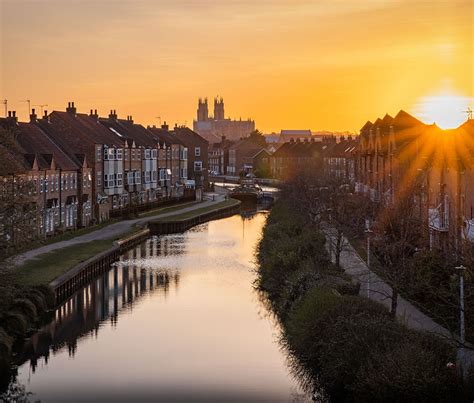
x,y
15,324
48,295
409,371
26,307
6,343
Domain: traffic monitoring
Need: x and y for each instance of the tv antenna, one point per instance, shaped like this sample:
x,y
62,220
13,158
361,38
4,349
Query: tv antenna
x,y
469,113
41,107
29,105
5,102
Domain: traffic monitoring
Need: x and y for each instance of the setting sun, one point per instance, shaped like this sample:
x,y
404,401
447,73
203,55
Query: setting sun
x,y
446,110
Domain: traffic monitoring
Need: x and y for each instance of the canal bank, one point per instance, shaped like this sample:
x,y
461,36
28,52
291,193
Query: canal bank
x,y
174,319
346,346
68,283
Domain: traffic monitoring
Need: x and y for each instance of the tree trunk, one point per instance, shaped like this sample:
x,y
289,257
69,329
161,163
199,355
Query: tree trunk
x,y
338,250
393,309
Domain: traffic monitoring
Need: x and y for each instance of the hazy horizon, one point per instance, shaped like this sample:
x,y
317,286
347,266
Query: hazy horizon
x,y
327,65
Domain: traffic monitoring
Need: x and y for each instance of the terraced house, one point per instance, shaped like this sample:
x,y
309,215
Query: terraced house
x,y
402,155
172,161
57,185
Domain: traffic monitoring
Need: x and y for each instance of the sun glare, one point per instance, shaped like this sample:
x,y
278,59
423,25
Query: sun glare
x,y
446,110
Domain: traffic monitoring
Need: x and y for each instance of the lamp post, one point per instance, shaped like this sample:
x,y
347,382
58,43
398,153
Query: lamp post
x,y
368,231
462,332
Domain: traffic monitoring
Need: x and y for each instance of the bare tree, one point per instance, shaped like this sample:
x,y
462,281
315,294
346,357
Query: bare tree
x,y
398,237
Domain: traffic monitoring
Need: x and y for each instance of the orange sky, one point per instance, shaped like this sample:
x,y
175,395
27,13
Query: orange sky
x,y
326,64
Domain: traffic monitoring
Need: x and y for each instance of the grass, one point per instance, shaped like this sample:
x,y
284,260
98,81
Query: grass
x,y
167,209
46,267
203,210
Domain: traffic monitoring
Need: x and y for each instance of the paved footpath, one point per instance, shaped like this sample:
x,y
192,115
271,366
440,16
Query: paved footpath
x,y
375,288
114,230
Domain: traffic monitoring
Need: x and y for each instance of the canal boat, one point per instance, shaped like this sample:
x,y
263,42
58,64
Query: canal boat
x,y
247,191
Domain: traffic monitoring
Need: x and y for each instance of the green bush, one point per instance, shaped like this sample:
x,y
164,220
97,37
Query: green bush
x,y
15,324
6,343
408,371
48,295
26,307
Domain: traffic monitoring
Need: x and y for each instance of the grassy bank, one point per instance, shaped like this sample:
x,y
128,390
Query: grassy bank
x,y
345,345
194,213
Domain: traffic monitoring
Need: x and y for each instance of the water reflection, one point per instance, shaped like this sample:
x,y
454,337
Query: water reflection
x,y
175,319
104,299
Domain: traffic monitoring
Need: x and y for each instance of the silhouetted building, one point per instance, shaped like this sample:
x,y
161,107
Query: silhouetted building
x,y
213,128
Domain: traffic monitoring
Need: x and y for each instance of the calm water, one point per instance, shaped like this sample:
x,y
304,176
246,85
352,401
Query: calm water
x,y
176,319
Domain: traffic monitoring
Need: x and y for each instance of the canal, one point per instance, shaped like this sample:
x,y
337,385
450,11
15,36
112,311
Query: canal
x,y
176,319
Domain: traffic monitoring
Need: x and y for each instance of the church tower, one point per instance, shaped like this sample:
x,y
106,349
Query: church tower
x,y
203,111
219,109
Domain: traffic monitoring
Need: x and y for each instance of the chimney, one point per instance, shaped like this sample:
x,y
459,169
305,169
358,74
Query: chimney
x,y
12,119
45,117
349,137
94,114
71,108
165,126
33,117
113,115
130,119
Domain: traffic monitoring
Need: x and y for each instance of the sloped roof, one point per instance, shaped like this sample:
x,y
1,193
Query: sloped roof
x,y
129,130
404,120
35,141
164,136
188,136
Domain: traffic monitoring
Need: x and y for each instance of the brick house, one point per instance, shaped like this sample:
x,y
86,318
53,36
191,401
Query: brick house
x,y
172,161
78,133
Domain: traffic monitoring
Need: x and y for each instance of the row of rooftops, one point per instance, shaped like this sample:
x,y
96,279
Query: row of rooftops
x,y
71,137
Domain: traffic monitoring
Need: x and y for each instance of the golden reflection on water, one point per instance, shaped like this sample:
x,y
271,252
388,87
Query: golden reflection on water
x,y
176,318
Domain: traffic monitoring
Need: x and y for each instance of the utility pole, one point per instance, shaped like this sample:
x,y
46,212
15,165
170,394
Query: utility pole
x,y
5,103
462,332
469,113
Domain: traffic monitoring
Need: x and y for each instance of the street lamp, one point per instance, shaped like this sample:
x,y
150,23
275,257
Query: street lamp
x,y
462,332
368,231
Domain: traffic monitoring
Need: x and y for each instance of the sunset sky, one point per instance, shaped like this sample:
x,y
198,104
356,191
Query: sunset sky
x,y
294,64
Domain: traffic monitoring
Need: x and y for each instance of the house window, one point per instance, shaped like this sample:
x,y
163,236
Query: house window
x,y
129,178
184,173
57,182
119,154
154,154
106,153
197,151
99,178
197,166
133,154
147,154
98,153
138,178
74,186
154,176
126,154
119,180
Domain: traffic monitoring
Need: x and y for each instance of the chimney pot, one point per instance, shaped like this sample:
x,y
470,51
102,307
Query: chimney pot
x,y
95,111
9,114
14,114
45,114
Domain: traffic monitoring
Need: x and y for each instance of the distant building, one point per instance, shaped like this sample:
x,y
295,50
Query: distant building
x,y
219,156
288,135
213,128
241,156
